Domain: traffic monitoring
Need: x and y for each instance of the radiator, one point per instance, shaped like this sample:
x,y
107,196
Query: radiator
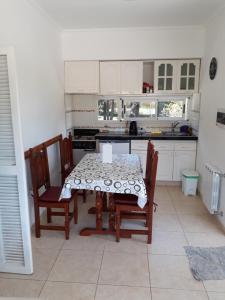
x,y
211,188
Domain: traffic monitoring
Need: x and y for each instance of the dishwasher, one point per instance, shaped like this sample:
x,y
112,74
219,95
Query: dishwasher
x,y
118,146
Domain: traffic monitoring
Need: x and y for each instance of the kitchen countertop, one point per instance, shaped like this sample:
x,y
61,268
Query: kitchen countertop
x,y
144,136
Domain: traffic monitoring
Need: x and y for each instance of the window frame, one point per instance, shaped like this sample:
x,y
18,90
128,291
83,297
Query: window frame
x,y
184,113
141,100
106,98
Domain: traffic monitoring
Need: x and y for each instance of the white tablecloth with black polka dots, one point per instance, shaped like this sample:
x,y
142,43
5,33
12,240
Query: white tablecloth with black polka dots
x,y
123,175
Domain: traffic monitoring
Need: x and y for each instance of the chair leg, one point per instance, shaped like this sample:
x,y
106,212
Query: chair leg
x,y
75,209
37,220
67,221
149,224
49,216
111,213
84,196
117,221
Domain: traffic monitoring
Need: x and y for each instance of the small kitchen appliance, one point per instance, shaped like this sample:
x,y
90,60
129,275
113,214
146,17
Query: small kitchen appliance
x,y
133,128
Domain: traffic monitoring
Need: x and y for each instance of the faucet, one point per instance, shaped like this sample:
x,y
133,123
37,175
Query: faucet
x,y
174,125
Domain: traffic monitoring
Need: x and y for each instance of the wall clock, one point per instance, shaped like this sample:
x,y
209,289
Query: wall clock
x,y
213,68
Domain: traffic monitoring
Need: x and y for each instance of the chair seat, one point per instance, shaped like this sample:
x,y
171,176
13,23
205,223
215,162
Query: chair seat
x,y
52,194
125,199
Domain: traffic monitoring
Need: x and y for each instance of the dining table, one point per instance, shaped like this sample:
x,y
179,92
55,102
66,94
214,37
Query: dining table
x,y
123,175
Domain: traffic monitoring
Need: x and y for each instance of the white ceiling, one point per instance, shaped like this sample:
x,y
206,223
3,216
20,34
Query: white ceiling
x,y
72,14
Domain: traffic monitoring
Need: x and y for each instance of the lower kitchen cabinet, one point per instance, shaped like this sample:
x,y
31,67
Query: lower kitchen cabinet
x,y
174,156
165,166
183,160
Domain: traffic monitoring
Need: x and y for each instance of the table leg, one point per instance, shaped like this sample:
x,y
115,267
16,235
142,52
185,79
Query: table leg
x,y
99,205
92,210
99,229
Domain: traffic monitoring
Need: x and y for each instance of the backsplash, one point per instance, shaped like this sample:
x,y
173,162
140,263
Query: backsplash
x,y
82,111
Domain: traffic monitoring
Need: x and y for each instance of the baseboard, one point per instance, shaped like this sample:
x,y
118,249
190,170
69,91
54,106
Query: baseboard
x,y
168,183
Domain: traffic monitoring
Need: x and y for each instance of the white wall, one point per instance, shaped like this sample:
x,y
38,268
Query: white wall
x,y
39,67
133,43
37,45
212,138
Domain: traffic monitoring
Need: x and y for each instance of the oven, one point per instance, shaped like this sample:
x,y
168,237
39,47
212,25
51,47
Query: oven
x,y
83,142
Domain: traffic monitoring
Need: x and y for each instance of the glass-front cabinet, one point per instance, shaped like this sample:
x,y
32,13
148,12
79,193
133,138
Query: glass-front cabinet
x,y
188,75
165,76
176,76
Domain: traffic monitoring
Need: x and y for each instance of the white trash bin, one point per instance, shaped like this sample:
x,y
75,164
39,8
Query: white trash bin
x,y
189,182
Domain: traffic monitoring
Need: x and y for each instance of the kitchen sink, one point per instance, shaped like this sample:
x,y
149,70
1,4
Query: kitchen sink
x,y
171,133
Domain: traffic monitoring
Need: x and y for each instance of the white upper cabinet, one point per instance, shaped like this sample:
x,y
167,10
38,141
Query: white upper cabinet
x,y
110,77
121,77
131,77
188,75
82,77
165,74
176,76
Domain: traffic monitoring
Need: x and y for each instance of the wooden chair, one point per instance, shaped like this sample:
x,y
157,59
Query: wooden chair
x,y
67,164
150,152
50,197
126,206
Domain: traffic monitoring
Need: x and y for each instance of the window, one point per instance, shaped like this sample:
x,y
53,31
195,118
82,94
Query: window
x,y
107,110
139,109
171,109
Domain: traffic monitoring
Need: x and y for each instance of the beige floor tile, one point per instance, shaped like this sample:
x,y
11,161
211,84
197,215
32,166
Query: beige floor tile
x,y
199,223
86,243
49,240
137,244
216,239
168,243
162,193
124,269
176,193
165,206
166,294
166,222
76,266
215,286
196,208
20,288
168,271
43,260
216,296
109,292
68,291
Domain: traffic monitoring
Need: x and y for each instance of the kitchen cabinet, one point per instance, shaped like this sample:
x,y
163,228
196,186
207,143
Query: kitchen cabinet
x,y
183,160
165,165
121,77
82,77
174,156
176,76
165,76
188,75
165,159
109,77
139,147
131,77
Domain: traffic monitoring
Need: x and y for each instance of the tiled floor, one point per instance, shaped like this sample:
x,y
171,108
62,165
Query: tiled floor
x,y
98,268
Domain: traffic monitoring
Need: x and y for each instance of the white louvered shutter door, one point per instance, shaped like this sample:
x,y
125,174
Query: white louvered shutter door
x,y
15,240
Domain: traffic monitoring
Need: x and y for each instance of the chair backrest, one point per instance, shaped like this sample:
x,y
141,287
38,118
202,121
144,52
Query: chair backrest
x,y
150,152
39,168
66,153
152,182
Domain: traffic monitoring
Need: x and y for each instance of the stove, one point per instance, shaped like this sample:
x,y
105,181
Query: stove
x,y
83,142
